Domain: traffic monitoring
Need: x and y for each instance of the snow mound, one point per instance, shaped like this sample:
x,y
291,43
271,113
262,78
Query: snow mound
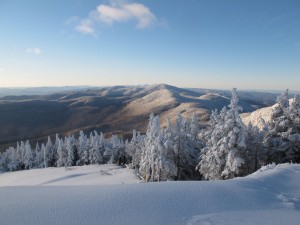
x,y
271,196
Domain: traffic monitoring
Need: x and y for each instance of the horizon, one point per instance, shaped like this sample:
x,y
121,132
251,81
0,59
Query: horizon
x,y
73,87
215,45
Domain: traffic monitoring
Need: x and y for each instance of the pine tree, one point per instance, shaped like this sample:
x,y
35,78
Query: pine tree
x,y
45,152
150,151
225,153
70,152
134,148
13,163
28,157
283,138
82,149
62,154
39,156
48,156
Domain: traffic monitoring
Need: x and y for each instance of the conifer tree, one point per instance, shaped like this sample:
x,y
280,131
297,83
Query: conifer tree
x,y
28,157
283,137
226,151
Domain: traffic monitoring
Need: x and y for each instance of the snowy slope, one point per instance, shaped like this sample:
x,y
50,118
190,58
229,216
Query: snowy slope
x,y
270,196
255,117
77,175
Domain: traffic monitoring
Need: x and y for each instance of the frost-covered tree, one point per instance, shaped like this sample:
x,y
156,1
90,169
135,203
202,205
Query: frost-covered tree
x,y
134,148
39,157
82,149
166,168
115,149
28,157
169,153
96,148
13,163
150,151
283,138
185,148
61,154
45,153
256,153
48,156
225,153
194,126
71,151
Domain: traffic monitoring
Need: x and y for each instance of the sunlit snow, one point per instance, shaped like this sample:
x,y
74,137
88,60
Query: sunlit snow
x,y
109,194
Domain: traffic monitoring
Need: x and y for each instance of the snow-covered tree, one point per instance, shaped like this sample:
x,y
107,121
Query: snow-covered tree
x,y
71,151
150,151
185,148
61,154
283,138
225,153
45,152
13,162
134,148
82,149
39,157
48,156
28,157
96,148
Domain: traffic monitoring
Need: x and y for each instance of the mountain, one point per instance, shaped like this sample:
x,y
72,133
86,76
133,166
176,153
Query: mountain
x,y
38,90
118,109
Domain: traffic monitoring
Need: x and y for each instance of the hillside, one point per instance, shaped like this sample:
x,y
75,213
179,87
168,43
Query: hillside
x,y
118,109
255,117
108,194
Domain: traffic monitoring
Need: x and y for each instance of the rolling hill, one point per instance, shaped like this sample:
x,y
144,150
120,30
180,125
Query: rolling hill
x,y
118,109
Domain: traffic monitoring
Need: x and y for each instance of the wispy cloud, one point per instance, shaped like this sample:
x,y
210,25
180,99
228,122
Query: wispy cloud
x,y
117,11
36,51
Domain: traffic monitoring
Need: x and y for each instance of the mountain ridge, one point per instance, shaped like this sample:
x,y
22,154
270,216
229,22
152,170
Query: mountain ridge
x,y
118,109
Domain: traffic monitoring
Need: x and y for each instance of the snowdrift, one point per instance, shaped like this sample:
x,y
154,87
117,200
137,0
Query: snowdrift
x,y
109,194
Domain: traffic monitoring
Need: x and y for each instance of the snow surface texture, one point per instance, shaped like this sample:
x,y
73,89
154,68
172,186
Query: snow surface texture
x,y
56,196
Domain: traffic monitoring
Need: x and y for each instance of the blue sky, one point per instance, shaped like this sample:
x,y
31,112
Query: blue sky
x,y
188,43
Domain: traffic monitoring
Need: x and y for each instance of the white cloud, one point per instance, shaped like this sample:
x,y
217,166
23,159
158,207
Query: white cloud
x,y
85,26
117,11
36,51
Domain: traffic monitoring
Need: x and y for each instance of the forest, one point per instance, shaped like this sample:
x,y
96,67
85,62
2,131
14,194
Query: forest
x,y
224,149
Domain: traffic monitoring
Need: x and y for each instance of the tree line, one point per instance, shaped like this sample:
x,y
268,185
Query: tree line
x,y
224,149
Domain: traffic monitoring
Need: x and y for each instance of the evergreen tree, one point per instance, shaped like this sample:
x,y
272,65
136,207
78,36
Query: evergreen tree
x,y
134,148
225,153
82,149
62,154
150,151
39,156
28,157
48,156
283,137
13,163
71,158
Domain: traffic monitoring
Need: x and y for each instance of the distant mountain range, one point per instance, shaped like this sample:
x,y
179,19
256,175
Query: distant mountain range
x,y
117,109
38,90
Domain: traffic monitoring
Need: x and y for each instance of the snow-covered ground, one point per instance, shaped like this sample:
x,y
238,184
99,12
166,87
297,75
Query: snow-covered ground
x,y
75,176
109,194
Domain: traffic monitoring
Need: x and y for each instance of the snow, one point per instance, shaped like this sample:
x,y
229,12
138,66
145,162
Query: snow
x,y
109,194
255,117
76,176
